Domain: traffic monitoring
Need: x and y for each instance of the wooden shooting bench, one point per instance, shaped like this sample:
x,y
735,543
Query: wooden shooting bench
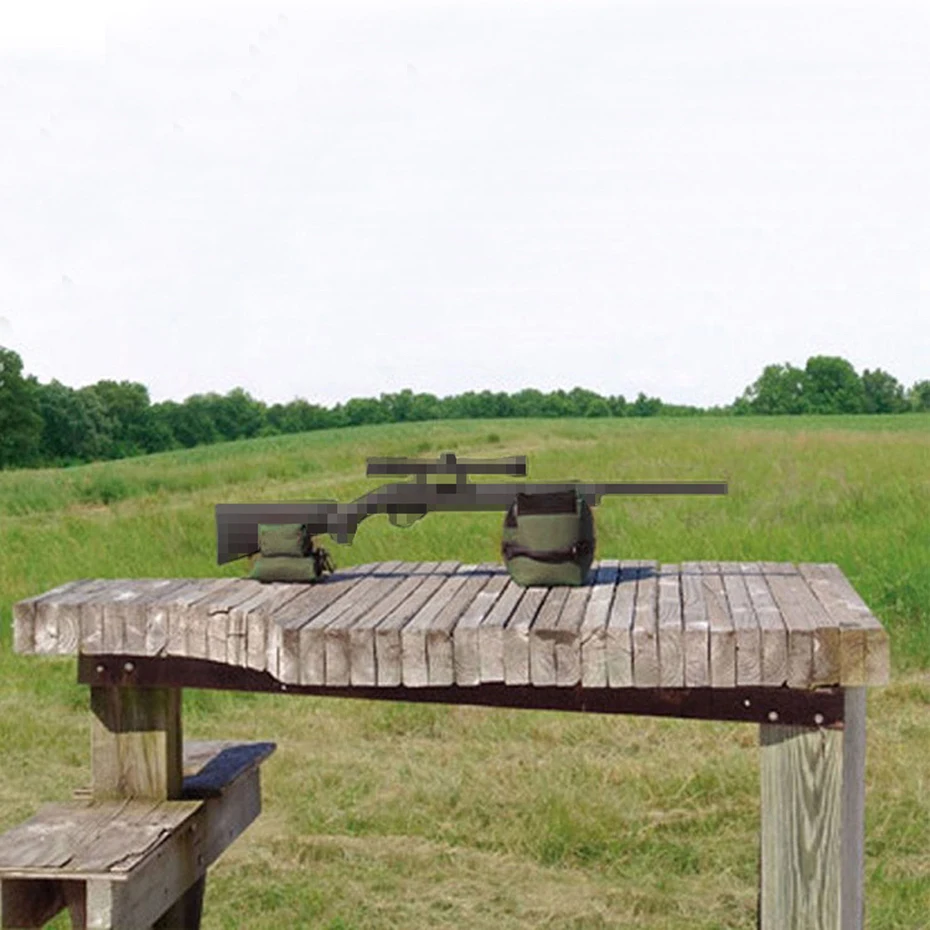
x,y
791,648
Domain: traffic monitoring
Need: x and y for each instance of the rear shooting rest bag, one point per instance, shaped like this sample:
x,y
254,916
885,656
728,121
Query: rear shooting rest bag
x,y
548,539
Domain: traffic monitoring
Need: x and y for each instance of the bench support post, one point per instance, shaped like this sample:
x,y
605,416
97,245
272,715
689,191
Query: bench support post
x,y
137,751
136,748
812,837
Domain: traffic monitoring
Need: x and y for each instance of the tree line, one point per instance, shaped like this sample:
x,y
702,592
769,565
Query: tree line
x,y
53,424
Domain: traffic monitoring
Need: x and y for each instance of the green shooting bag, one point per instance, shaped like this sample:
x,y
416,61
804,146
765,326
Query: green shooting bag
x,y
548,539
288,554
284,539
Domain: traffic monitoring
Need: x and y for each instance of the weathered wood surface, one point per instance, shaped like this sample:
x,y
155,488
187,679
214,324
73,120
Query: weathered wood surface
x,y
813,823
634,624
136,857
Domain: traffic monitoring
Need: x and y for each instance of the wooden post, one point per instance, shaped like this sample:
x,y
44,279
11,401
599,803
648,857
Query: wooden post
x,y
136,748
813,805
137,751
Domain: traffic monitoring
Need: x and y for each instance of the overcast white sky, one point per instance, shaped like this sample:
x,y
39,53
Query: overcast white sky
x,y
338,199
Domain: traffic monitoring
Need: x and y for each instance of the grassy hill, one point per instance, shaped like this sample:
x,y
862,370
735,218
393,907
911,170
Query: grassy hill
x,y
381,815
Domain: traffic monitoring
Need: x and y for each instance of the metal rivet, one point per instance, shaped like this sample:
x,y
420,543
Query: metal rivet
x,y
284,687
128,667
100,669
773,715
818,719
747,703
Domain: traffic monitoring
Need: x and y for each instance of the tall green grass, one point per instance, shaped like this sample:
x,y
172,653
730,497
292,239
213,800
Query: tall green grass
x,y
384,815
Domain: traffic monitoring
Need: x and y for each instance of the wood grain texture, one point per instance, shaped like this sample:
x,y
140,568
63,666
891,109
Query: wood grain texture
x,y
466,637
363,669
696,626
772,629
721,632
440,641
568,634
670,628
336,634
801,833
542,637
618,655
633,624
745,625
414,635
136,746
491,632
516,636
593,630
389,657
24,615
813,636
864,652
283,630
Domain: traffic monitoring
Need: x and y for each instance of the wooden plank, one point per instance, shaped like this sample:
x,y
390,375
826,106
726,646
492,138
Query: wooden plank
x,y
363,669
157,614
217,603
336,635
388,638
120,616
182,604
312,633
568,634
24,615
177,863
147,626
466,636
258,610
136,743
491,633
745,624
593,631
48,612
440,636
772,629
671,630
812,837
285,624
542,636
813,636
696,627
218,619
44,844
644,632
517,636
864,656
852,812
414,635
619,646
721,630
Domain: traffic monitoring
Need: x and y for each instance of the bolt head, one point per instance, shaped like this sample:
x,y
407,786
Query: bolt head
x,y
773,715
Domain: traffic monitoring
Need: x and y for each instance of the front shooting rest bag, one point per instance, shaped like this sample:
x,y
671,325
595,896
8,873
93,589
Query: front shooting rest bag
x,y
288,554
548,539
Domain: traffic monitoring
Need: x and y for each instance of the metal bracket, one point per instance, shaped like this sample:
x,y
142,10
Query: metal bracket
x,y
822,707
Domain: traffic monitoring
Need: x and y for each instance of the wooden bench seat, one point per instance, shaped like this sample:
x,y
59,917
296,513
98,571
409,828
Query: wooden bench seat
x,y
124,863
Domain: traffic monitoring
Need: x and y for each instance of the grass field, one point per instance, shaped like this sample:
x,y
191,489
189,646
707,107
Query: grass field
x,y
379,815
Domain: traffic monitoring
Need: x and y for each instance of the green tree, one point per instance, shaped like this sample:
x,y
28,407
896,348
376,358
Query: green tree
x,y
361,410
645,406
20,419
778,390
831,385
70,423
883,392
919,396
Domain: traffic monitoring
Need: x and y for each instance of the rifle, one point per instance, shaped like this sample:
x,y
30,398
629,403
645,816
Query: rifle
x,y
407,501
